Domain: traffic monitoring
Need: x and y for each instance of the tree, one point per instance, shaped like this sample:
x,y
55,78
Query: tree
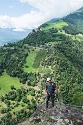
x,y
77,99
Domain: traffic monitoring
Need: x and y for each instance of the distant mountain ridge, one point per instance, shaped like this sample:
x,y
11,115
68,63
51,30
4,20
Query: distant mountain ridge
x,y
9,35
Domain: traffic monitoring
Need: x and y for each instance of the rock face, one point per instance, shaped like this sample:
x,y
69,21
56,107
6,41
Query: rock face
x,y
60,114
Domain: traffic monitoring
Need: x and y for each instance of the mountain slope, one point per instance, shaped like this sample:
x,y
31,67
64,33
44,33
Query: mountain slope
x,y
76,20
71,25
57,54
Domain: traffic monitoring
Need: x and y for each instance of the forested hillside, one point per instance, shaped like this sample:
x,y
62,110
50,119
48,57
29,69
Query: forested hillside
x,y
75,22
56,54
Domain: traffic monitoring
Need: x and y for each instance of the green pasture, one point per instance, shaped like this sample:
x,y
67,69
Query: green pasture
x,y
6,82
59,24
29,62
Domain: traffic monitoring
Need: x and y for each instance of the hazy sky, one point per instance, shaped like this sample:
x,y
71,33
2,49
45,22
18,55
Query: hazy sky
x,y
22,14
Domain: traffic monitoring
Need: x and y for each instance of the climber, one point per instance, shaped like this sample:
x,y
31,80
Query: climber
x,y
50,88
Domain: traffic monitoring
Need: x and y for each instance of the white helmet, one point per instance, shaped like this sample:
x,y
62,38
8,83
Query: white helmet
x,y
48,79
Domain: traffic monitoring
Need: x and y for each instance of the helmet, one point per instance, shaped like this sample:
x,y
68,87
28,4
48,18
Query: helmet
x,y
48,79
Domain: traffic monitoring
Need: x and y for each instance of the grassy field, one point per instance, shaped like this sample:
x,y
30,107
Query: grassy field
x,y
6,82
29,62
59,24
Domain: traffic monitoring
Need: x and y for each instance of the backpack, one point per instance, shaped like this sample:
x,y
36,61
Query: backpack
x,y
53,87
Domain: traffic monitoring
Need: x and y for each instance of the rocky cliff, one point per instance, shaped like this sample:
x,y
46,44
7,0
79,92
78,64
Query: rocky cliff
x,y
60,114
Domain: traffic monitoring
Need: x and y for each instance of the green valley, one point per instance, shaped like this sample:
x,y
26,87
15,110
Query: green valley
x,y
54,49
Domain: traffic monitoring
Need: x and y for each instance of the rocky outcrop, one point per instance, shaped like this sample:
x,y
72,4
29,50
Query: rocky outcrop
x,y
60,114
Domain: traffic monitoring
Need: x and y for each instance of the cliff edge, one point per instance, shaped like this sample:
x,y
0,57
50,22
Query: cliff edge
x,y
60,114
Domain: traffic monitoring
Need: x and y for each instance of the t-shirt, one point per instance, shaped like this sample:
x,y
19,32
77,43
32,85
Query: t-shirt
x,y
50,88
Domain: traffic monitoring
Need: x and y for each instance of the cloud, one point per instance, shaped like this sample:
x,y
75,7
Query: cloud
x,y
28,21
21,30
11,6
43,10
5,22
55,7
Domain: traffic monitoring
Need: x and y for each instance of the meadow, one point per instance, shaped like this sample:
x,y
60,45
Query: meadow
x,y
28,67
58,24
6,82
